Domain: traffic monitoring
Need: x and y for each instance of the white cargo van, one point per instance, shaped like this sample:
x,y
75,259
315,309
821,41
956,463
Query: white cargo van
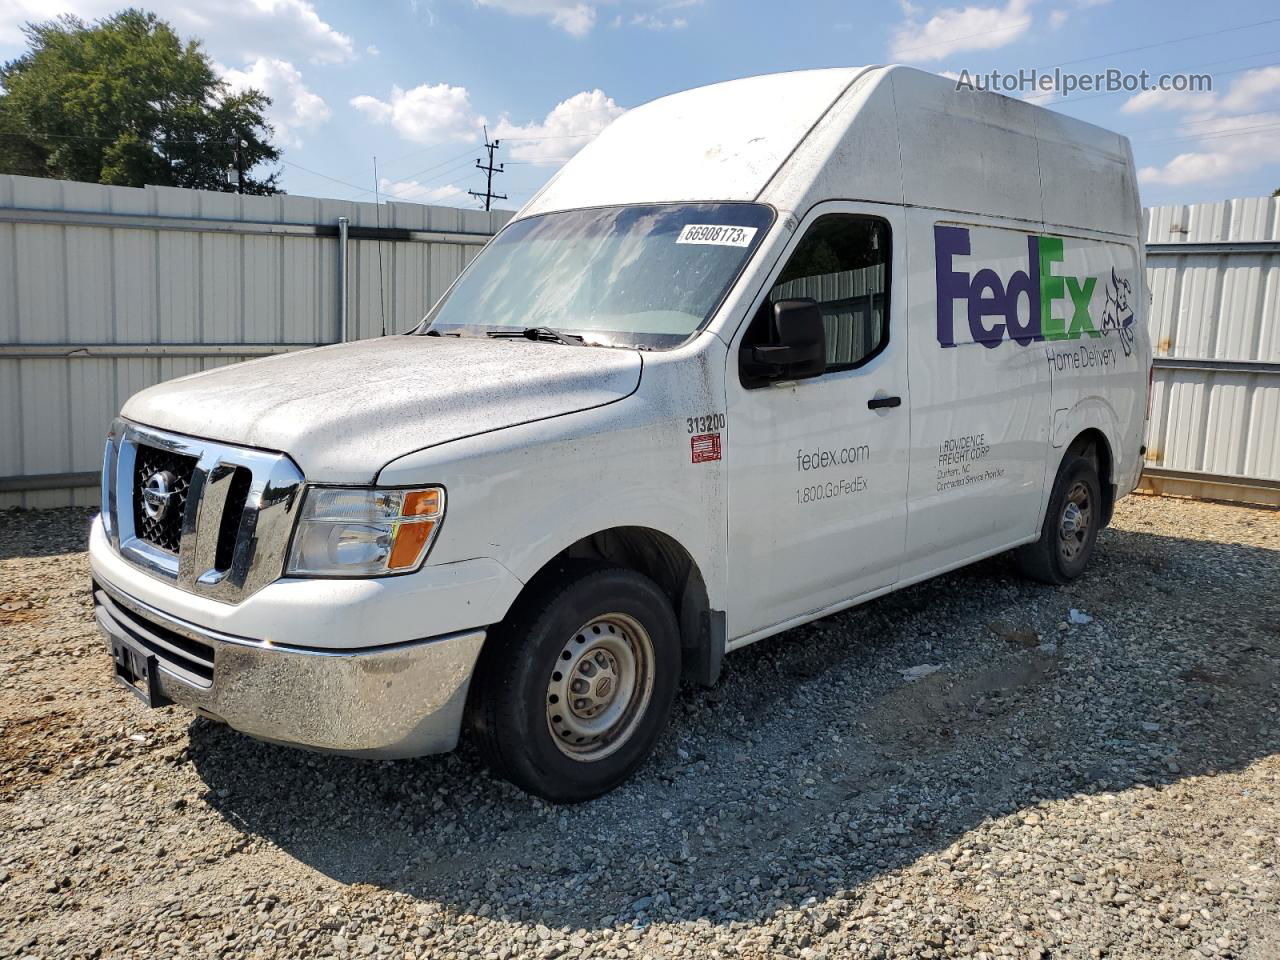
x,y
762,351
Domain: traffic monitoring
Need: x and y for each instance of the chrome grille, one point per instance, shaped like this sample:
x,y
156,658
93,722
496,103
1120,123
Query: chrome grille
x,y
228,519
165,530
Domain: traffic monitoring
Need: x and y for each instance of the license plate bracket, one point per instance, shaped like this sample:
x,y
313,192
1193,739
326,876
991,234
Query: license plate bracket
x,y
135,668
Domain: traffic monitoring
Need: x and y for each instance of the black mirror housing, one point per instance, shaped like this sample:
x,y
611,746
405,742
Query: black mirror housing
x,y
799,348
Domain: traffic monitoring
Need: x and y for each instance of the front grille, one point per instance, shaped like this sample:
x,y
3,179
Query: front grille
x,y
229,527
164,531
181,655
228,515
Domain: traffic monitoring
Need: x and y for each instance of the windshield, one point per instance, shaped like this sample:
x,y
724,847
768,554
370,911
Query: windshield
x,y
647,276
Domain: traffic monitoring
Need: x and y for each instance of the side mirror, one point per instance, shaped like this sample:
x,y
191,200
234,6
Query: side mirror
x,y
799,348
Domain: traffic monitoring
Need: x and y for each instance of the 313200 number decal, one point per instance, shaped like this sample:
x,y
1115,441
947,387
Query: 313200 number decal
x,y
712,421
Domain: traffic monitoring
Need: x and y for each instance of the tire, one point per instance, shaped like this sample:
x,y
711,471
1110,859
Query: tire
x,y
1070,526
575,686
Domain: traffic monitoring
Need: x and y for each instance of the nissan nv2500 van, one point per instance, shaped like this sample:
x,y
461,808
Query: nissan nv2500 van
x,y
762,351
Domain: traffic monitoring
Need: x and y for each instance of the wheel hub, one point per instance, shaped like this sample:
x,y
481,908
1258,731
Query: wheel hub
x,y
600,686
1070,519
1077,517
594,684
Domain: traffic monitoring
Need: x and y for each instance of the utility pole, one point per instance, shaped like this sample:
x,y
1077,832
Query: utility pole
x,y
490,170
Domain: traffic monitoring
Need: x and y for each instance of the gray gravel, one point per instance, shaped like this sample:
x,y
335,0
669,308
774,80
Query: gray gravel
x,y
1054,789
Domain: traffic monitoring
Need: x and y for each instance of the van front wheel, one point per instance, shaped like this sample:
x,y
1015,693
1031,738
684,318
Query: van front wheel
x,y
1070,526
575,686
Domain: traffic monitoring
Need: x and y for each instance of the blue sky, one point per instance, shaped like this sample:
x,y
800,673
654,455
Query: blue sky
x,y
412,81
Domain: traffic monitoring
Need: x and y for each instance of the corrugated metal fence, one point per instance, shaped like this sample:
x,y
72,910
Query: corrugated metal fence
x,y
106,290
1214,273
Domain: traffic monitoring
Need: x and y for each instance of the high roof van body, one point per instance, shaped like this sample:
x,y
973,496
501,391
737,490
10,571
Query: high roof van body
x,y
762,351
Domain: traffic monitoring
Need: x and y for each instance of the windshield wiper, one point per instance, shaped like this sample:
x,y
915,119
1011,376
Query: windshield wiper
x,y
544,334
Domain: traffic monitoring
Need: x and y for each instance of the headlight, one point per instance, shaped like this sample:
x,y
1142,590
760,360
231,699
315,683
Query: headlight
x,y
349,532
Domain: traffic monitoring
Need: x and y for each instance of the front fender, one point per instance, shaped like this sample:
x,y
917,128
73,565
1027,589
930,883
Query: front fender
x,y
523,494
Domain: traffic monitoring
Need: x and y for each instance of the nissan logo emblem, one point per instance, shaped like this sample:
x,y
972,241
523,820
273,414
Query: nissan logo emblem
x,y
157,494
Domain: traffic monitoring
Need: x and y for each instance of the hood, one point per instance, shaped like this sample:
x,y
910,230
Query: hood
x,y
345,411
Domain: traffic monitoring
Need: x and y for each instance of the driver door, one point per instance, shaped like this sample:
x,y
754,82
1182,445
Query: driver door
x,y
817,468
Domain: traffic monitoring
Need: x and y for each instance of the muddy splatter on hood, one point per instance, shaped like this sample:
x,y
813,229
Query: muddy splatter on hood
x,y
342,412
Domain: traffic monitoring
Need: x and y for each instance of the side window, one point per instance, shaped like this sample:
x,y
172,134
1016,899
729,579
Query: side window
x,y
842,262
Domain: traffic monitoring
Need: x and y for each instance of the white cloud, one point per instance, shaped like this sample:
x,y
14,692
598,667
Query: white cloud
x,y
372,51
578,17
430,113
957,30
1059,17
568,128
650,21
1234,136
294,108
231,29
572,16
1252,90
1169,100
279,24
412,190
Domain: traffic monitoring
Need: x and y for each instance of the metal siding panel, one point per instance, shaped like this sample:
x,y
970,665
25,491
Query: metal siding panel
x,y
79,284
263,311
87,269
178,287
303,318
11,423
40,287
134,288
1263,455
1220,306
1223,443
221,288
9,281
46,415
92,404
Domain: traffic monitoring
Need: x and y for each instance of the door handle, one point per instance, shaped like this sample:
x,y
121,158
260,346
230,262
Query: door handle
x,y
876,403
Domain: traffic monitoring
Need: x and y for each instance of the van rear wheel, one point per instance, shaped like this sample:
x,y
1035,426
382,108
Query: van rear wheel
x,y
576,685
1070,526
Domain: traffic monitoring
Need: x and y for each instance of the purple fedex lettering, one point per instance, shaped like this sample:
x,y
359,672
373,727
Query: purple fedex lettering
x,y
986,299
949,242
985,294
1028,282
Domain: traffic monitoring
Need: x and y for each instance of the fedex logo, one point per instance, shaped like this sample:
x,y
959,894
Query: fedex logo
x,y
1054,307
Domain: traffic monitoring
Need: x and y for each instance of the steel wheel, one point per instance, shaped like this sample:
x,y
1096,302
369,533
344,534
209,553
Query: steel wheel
x,y
600,687
1076,522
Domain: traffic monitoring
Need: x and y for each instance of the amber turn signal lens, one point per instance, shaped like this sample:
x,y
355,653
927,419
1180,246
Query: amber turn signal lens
x,y
410,539
422,503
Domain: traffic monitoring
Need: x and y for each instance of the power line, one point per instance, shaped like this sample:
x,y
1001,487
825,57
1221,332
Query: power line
x,y
1165,43
345,183
1201,66
465,153
488,195
1217,135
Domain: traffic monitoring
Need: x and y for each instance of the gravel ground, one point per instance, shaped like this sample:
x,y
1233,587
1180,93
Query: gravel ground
x,y
1054,789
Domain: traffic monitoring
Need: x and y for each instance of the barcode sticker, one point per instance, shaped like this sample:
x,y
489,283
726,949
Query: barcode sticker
x,y
717,233
704,447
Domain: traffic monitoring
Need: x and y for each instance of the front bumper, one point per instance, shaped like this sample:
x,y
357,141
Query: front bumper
x,y
403,700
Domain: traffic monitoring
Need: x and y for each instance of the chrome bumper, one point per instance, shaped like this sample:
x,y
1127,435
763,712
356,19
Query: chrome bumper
x,y
404,700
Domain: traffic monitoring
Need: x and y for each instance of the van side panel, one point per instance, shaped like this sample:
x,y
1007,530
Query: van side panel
x,y
966,150
1099,360
980,391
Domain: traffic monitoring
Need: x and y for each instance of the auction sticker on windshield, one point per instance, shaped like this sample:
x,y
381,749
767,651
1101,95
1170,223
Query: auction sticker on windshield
x,y
717,233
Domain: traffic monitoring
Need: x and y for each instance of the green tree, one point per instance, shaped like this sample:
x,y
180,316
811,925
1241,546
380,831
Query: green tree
x,y
126,101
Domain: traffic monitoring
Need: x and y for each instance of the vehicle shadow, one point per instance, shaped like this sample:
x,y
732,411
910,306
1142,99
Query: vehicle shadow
x,y
814,766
